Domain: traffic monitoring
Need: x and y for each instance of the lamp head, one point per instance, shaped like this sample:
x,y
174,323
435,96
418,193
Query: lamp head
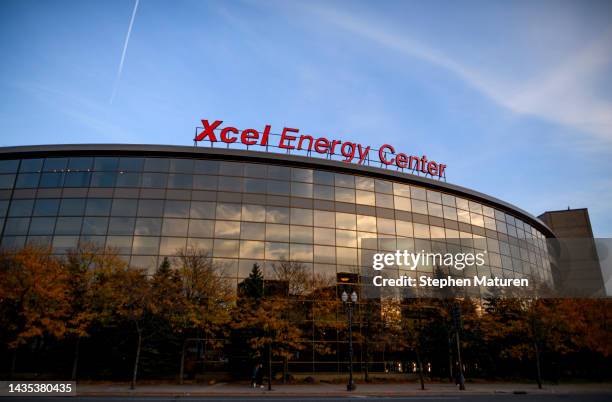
x,y
344,297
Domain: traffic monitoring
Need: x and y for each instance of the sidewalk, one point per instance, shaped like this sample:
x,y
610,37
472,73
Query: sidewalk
x,y
409,389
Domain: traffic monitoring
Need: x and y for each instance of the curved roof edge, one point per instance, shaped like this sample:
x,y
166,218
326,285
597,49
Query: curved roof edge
x,y
269,157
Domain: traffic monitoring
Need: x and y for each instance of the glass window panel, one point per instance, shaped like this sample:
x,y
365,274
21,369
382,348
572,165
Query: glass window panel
x,y
252,231
9,166
227,229
277,251
324,219
3,208
346,238
145,245
346,256
402,204
277,215
256,170
366,223
77,179
206,167
402,190
434,196
180,181
13,242
201,228
233,184
437,232
346,221
72,206
42,226
51,180
80,163
345,194
365,197
488,211
175,227
462,204
321,177
16,226
42,241
202,210
323,192
500,216
279,172
21,208
176,209
31,165
277,232
226,248
103,179
325,254
229,211
230,168
418,193
303,175
364,183
181,165
404,228
131,164
94,226
120,244
501,227
154,180
105,163
300,252
475,207
344,180
383,186
301,216
68,226
300,234
255,186
62,244
204,182
489,223
172,245
419,207
7,180
27,180
46,207
301,190
252,249
278,187
254,213
421,231
148,226
384,200
325,236
128,179
477,219
204,245
435,209
463,216
150,207
156,165
450,213
124,207
121,226
98,206
386,226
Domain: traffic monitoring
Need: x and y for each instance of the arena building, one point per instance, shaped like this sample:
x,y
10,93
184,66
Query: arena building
x,y
246,207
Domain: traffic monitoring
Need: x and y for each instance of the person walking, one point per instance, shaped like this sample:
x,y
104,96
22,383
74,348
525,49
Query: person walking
x,y
257,379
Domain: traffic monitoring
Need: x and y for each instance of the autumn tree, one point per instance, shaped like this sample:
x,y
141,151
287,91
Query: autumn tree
x,y
34,297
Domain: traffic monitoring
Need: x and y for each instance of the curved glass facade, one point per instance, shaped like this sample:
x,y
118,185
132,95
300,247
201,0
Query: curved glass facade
x,y
243,213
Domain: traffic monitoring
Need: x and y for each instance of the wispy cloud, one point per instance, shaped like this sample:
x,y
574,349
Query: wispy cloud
x,y
125,46
564,96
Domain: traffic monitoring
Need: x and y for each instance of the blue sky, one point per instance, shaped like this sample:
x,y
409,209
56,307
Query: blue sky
x,y
515,97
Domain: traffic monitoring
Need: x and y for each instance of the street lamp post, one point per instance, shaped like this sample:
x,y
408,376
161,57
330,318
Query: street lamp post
x,y
457,319
349,304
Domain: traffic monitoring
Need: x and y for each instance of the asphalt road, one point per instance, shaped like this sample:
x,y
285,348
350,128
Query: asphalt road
x,y
587,397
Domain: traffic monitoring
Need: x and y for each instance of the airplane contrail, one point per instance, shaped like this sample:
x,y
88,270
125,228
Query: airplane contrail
x,y
125,45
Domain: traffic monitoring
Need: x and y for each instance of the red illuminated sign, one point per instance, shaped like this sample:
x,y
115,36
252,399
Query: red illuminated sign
x,y
290,140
